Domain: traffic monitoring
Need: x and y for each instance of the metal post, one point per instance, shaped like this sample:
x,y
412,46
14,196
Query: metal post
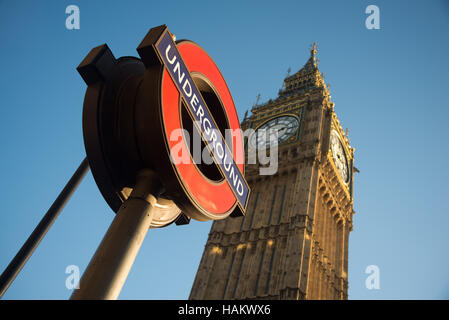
x,y
107,271
14,267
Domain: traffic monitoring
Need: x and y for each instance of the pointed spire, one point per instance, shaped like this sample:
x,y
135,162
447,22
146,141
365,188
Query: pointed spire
x,y
313,60
308,77
257,100
313,50
286,76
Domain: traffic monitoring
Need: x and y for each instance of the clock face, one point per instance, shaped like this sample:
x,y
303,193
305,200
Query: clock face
x,y
339,156
285,126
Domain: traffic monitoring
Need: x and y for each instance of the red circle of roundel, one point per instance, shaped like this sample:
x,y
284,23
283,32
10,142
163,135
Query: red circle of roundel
x,y
216,198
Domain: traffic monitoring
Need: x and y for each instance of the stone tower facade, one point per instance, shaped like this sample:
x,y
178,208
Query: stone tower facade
x,y
293,241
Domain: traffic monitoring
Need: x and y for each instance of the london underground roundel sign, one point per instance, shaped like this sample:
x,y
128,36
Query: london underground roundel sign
x,y
138,113
179,78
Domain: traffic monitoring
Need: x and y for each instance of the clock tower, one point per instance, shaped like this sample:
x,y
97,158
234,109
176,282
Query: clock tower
x,y
293,241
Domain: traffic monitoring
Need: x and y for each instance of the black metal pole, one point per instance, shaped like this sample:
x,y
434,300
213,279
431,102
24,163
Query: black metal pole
x,y
14,267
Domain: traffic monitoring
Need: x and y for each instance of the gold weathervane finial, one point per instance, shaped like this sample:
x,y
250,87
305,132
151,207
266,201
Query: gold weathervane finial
x,y
313,52
314,49
257,100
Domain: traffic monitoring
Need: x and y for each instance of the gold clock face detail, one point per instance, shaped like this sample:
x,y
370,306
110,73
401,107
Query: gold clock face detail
x,y
285,127
339,156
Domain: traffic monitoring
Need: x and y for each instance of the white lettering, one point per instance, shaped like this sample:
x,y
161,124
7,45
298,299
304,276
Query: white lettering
x,y
200,113
219,151
180,78
179,152
229,163
194,101
189,94
233,176
207,128
72,281
373,20
73,20
240,188
373,280
166,55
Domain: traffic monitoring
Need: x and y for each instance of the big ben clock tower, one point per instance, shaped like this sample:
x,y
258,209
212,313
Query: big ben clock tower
x,y
293,241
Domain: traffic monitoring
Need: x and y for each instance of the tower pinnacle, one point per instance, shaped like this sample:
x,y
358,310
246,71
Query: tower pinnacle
x,y
307,78
313,50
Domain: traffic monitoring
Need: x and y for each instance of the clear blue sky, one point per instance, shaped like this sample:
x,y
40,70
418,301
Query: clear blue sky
x,y
389,87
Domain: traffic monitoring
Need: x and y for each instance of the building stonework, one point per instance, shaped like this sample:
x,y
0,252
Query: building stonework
x,y
293,241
